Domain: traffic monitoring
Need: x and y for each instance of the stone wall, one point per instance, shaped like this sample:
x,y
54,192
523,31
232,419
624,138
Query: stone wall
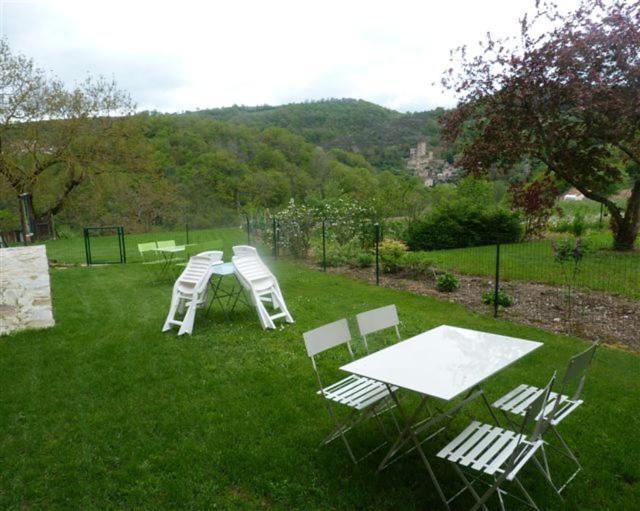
x,y
25,292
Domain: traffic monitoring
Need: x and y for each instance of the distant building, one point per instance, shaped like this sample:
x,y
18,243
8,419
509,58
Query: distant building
x,y
573,195
429,169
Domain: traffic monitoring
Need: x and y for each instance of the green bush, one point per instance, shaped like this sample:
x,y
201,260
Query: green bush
x,y
463,224
504,300
447,283
417,263
364,260
391,254
337,254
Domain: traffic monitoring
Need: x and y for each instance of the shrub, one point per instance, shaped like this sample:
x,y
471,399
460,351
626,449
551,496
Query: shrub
x,y
447,283
462,224
578,225
364,260
337,254
504,300
417,263
391,254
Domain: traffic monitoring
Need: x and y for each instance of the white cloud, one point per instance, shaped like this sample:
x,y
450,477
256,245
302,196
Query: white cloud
x,y
185,54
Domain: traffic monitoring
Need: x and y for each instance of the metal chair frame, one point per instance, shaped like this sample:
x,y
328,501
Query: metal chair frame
x,y
501,454
560,405
366,398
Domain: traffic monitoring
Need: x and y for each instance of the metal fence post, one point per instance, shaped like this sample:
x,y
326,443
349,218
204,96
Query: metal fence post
x,y
324,246
275,238
377,234
186,228
248,231
124,250
87,246
497,289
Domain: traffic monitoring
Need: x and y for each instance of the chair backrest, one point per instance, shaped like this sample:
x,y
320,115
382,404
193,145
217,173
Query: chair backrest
x,y
166,244
576,373
326,337
534,418
213,256
147,247
376,320
250,269
245,250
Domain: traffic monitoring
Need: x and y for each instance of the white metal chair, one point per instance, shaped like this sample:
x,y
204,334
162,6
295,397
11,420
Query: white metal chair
x,y
366,398
262,287
377,320
484,450
189,293
560,405
245,250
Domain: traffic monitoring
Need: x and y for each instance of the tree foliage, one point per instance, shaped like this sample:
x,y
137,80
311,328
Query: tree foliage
x,y
568,97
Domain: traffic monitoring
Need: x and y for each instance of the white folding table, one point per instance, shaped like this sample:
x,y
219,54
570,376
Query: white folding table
x,y
442,363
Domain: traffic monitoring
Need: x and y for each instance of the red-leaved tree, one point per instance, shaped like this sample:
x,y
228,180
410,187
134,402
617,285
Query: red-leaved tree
x,y
567,95
536,201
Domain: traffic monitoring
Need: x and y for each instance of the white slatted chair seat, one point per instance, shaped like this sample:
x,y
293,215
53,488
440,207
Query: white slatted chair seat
x,y
498,454
523,395
488,448
356,392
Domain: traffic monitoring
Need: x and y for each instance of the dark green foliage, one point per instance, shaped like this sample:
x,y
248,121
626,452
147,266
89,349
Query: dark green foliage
x,y
504,300
447,283
461,224
381,135
364,260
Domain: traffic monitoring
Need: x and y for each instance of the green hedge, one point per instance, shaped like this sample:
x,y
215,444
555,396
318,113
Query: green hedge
x,y
461,224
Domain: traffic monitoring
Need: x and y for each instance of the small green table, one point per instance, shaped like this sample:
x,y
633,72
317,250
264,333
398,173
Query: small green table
x,y
226,288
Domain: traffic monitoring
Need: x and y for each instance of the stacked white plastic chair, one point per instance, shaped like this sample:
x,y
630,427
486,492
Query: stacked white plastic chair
x,y
261,285
190,292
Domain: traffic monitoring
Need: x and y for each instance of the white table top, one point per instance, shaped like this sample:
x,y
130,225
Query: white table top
x,y
443,362
224,269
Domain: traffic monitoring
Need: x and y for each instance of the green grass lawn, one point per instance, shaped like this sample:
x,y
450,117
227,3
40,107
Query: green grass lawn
x,y
602,269
104,411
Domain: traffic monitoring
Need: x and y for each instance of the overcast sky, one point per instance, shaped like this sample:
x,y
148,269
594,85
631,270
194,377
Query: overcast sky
x,y
184,55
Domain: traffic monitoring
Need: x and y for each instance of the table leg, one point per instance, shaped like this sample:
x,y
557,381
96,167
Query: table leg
x,y
409,432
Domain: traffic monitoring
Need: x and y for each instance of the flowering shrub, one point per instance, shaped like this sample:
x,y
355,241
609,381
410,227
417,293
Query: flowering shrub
x,y
447,283
344,218
296,223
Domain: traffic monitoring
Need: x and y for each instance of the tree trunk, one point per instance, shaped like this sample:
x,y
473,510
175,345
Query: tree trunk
x,y
625,230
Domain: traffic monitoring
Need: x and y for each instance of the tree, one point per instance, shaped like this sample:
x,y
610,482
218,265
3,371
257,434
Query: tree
x,y
53,136
566,96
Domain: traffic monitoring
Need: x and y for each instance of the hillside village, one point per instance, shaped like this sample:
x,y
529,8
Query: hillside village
x,y
428,168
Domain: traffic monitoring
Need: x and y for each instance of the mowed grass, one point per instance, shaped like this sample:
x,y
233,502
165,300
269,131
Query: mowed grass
x,y
601,269
104,411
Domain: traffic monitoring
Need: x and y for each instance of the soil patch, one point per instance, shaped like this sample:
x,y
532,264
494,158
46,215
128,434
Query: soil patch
x,y
597,316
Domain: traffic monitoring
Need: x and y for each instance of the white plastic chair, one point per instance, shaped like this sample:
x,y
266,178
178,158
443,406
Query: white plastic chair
x,y
560,405
366,398
245,250
214,256
189,293
377,320
263,288
486,450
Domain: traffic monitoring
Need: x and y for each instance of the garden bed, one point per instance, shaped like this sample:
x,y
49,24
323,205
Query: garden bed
x,y
598,316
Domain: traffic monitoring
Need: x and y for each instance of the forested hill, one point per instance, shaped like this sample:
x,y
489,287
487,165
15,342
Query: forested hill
x,y
381,135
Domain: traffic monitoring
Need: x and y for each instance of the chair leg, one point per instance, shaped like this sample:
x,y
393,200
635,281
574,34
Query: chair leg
x,y
189,318
173,309
485,496
546,473
526,494
468,485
